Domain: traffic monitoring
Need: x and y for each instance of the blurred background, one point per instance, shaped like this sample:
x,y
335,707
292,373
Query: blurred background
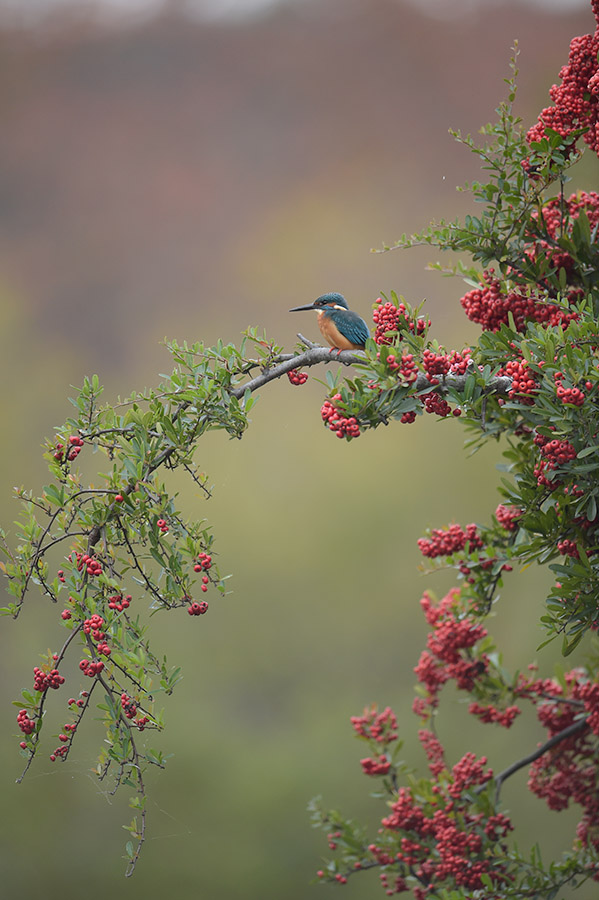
x,y
184,170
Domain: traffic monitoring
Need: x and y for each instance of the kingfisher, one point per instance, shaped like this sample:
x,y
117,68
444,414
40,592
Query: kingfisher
x,y
340,327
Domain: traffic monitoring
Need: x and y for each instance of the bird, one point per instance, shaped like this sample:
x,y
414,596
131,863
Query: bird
x,y
342,328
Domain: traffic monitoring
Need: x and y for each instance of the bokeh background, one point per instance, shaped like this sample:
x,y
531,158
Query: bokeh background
x,y
186,170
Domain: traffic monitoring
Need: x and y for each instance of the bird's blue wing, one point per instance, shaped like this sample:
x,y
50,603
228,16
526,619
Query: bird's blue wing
x,y
355,328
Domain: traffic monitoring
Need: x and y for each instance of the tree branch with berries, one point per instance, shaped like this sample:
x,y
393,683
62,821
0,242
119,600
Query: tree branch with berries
x,y
109,546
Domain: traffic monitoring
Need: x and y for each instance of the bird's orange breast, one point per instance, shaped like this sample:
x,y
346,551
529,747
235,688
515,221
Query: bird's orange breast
x,y
332,335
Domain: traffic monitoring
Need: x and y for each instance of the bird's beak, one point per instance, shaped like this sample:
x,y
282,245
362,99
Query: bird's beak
x,y
301,308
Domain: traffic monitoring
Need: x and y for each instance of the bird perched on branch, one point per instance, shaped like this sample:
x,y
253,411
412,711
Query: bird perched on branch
x,y
340,327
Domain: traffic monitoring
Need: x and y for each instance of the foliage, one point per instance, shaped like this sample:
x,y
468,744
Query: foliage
x,y
97,549
537,299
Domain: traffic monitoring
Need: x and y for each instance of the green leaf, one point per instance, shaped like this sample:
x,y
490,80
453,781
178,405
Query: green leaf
x,y
568,646
54,494
586,451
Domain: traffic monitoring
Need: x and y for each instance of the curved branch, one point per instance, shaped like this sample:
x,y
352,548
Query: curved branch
x,y
311,357
574,728
315,355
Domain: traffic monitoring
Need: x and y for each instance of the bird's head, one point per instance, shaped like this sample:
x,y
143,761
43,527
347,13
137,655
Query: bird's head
x,y
325,302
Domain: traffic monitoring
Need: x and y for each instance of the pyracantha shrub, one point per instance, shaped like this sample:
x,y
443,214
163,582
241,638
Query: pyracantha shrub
x,y
114,552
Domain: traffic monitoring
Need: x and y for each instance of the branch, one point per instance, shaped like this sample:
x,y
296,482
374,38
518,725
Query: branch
x,y
312,357
40,710
316,355
574,728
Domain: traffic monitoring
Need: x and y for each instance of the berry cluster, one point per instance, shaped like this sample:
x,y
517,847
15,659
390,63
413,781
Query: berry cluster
x,y
380,729
118,602
91,667
197,608
387,316
489,307
405,368
437,405
508,516
524,385
374,726
297,377
489,713
435,363
203,564
130,709
44,680
60,752
555,453
442,841
128,706
93,627
542,479
568,548
571,395
377,766
71,727
343,426
408,418
448,656
71,452
575,99
459,360
446,542
163,526
455,540
26,724
91,565
433,748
